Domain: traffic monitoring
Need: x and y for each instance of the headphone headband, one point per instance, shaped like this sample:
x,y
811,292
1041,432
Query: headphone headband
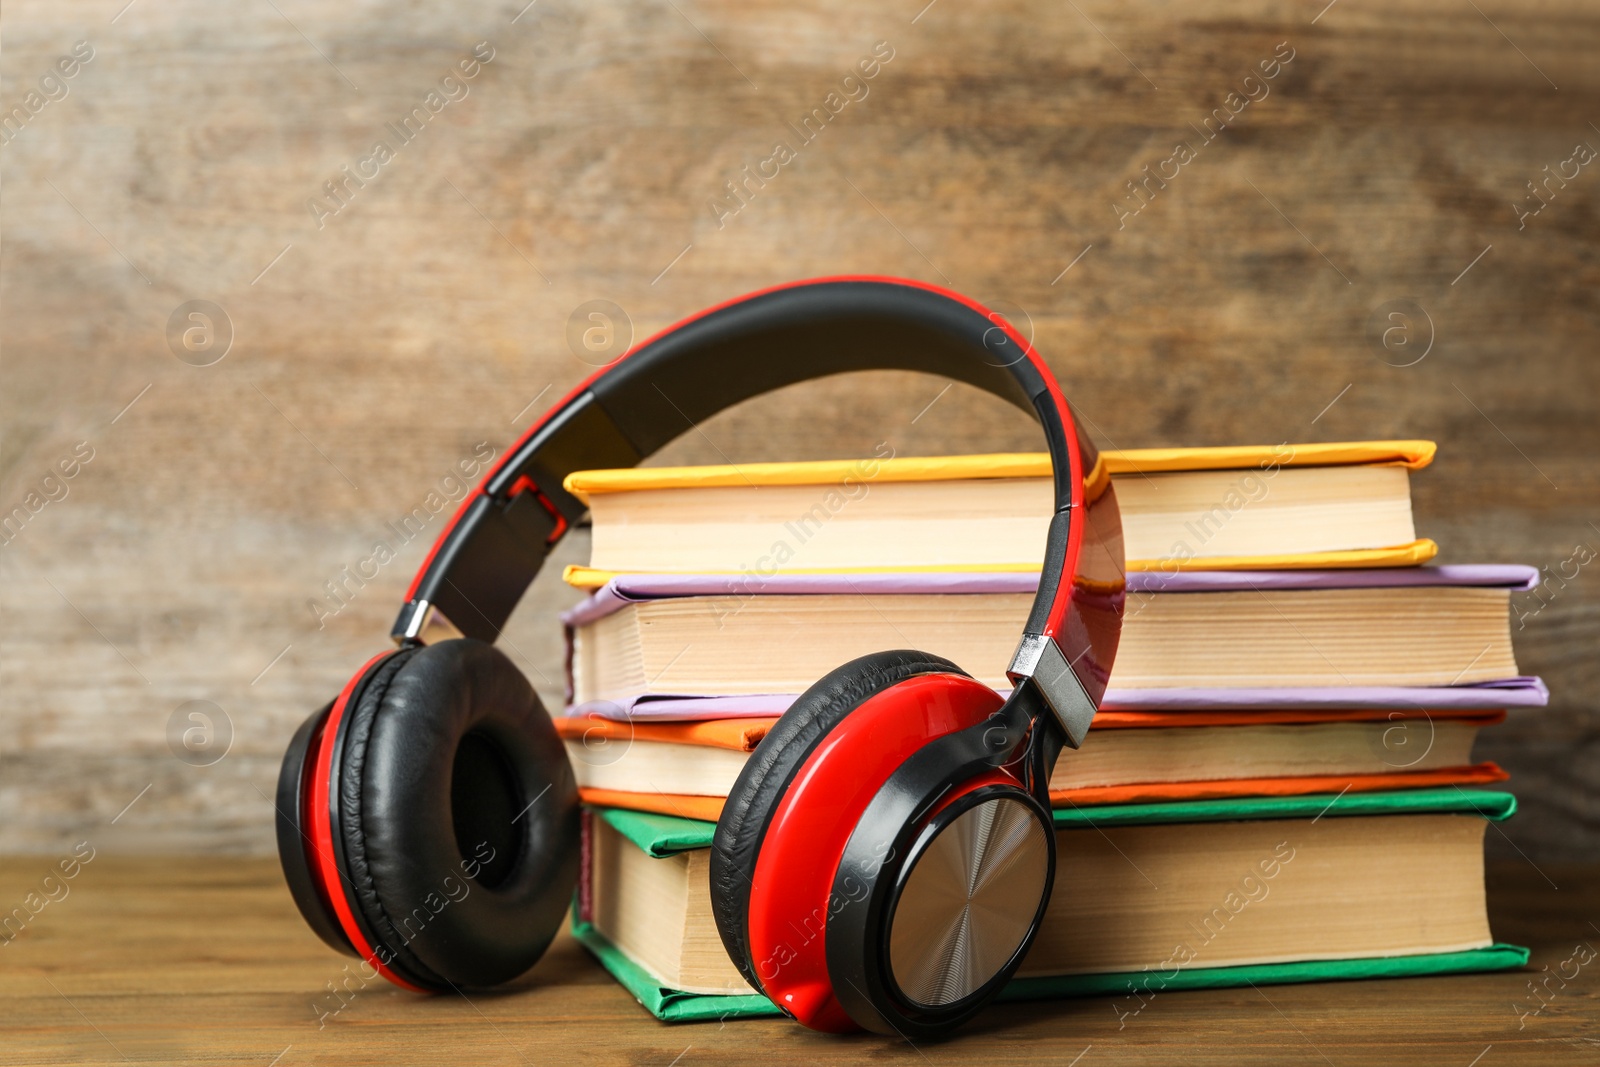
x,y
487,556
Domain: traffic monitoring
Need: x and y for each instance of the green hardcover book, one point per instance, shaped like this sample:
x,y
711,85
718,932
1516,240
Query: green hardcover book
x,y
1148,898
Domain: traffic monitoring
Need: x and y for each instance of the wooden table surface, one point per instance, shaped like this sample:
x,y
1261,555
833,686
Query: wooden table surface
x,y
202,959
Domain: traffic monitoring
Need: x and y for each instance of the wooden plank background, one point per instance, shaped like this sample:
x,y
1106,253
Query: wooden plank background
x,y
374,348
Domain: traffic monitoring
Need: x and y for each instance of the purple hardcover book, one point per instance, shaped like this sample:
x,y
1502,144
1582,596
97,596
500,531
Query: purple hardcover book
x,y
1521,692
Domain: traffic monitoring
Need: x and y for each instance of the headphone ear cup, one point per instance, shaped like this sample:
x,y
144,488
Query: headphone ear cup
x,y
940,928
293,838
458,816
767,774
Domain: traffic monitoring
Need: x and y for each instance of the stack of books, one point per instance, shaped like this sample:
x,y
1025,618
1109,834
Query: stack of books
x,y
1279,787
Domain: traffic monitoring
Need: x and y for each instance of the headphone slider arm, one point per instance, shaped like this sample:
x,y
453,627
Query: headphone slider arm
x,y
1040,662
421,623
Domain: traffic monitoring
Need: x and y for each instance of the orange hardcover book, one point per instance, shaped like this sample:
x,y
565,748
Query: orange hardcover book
x,y
686,769
709,809
745,734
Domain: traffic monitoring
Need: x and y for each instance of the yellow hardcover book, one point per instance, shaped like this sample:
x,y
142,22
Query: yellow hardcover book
x,y
1243,507
1413,455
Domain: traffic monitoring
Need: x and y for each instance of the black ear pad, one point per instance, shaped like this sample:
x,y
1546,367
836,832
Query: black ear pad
x,y
293,777
457,816
769,770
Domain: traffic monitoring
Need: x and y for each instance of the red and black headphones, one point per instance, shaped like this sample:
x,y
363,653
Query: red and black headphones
x,y
886,855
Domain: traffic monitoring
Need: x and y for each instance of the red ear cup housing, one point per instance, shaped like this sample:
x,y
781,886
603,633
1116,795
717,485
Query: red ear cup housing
x,y
293,840
799,798
437,826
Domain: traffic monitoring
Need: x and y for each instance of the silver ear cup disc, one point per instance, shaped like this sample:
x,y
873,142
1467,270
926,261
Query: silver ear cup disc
x,y
969,902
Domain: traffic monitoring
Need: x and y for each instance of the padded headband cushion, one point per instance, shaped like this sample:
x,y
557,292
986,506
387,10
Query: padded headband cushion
x,y
767,773
458,815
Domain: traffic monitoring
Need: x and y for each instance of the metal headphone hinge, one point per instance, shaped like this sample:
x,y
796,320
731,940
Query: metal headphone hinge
x,y
421,623
1039,661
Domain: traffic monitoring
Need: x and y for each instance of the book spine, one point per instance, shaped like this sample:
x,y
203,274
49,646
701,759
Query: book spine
x,y
586,866
566,662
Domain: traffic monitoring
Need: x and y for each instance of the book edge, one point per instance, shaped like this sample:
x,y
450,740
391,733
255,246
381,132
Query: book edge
x,y
1411,554
672,1005
1411,454
675,834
